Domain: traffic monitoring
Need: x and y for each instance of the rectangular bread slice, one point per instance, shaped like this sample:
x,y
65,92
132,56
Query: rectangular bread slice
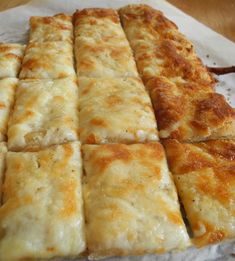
x,y
204,174
159,48
7,95
131,205
3,150
99,26
11,56
101,47
104,60
45,113
115,111
45,60
189,111
42,212
51,28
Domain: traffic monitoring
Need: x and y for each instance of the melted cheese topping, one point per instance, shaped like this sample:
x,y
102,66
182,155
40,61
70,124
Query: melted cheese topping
x,y
159,48
42,213
48,60
99,26
7,92
131,206
45,113
205,178
189,111
101,48
95,16
103,60
115,110
52,28
10,59
3,150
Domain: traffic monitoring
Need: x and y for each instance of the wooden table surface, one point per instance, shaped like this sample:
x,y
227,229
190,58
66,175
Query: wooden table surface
x,y
217,14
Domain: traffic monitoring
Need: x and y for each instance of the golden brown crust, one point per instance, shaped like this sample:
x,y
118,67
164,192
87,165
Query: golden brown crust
x,y
42,212
147,15
99,29
182,63
190,111
48,60
115,110
101,47
159,48
131,187
97,13
11,56
205,178
51,20
51,28
104,60
183,158
45,113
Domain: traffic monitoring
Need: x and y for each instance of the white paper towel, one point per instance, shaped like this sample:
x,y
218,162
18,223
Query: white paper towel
x,y
212,48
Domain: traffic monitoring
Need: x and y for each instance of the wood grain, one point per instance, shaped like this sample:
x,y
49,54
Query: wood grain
x,y
217,14
6,4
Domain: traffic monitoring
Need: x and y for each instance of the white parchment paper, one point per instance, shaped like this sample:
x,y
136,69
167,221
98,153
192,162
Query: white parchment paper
x,y
212,48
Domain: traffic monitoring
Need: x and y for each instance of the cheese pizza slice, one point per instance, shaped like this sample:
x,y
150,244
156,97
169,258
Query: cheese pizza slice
x,y
99,26
48,60
45,113
115,111
11,56
106,60
190,111
42,212
7,94
51,28
132,189
159,48
204,174
3,150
